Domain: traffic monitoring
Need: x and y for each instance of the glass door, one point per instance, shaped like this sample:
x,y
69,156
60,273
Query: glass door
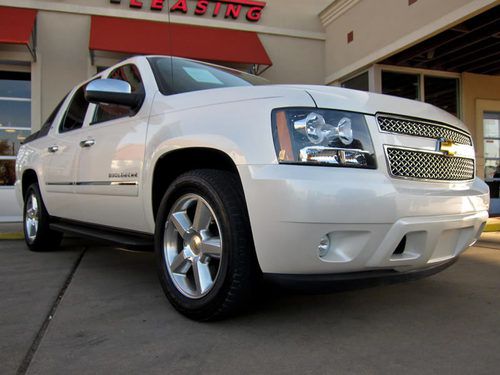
x,y
491,146
15,121
15,126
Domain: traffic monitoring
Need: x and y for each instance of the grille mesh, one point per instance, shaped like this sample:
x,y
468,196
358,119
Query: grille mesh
x,y
422,129
429,166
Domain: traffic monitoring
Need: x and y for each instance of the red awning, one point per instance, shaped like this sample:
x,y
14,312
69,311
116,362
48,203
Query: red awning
x,y
195,42
16,25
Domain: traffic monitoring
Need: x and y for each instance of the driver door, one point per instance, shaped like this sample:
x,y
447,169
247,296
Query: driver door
x,y
110,161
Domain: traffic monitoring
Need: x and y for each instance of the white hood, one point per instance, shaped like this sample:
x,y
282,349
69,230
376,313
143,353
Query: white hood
x,y
371,103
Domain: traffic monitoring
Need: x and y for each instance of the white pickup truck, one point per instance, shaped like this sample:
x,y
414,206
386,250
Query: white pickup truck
x,y
231,179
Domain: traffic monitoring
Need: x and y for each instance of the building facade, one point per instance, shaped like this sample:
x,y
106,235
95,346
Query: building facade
x,y
397,47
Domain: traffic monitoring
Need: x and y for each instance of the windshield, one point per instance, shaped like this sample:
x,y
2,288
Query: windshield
x,y
175,76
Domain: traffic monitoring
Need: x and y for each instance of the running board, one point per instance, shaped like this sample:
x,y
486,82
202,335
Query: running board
x,y
138,241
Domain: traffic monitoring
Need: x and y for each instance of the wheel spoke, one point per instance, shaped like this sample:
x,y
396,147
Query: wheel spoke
x,y
31,217
28,226
212,247
34,204
192,246
32,227
181,263
202,277
202,216
181,222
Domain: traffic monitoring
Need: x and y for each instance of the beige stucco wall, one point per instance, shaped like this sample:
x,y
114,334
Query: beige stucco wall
x,y
279,16
62,59
295,60
384,27
479,93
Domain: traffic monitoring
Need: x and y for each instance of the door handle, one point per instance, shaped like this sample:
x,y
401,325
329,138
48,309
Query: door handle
x,y
87,143
53,149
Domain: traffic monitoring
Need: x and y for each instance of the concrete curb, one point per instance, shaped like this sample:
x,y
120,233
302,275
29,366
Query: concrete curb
x,y
11,236
492,227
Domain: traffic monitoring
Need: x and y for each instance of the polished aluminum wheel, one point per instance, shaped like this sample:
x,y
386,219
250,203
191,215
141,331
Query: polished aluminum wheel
x,y
192,246
32,217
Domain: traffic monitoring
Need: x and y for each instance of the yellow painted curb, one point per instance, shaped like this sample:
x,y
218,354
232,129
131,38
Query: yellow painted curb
x,y
11,236
492,227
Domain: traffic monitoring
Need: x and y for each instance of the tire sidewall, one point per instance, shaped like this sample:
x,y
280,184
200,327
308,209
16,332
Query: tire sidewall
x,y
33,190
195,185
45,239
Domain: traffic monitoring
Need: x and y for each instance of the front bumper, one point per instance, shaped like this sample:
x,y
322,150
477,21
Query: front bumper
x,y
364,213
345,281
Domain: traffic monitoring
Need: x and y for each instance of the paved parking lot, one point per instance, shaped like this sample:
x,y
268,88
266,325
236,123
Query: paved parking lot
x,y
98,310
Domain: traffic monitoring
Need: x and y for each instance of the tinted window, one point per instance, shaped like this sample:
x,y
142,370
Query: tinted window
x,y
359,82
73,119
15,85
48,123
443,93
175,76
404,85
106,112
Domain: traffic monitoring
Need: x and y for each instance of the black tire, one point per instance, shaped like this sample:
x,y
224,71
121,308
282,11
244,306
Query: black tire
x,y
42,238
238,272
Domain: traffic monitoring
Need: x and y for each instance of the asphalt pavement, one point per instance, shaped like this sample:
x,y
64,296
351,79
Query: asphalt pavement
x,y
89,309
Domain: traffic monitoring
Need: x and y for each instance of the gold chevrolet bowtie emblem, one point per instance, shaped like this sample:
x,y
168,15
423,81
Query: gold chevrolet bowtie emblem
x,y
448,148
452,149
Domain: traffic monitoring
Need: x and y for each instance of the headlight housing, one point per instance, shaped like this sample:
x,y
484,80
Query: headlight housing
x,y
322,137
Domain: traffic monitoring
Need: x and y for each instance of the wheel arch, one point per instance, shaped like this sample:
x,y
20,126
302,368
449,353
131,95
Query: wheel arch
x,y
176,162
29,177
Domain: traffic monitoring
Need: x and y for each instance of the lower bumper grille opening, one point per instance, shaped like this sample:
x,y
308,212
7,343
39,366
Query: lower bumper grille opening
x,y
401,247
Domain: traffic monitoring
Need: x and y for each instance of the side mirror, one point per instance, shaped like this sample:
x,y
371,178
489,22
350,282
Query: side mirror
x,y
112,91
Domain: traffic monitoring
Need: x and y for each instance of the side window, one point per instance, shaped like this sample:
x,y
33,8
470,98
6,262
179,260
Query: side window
x,y
44,130
107,112
48,123
75,114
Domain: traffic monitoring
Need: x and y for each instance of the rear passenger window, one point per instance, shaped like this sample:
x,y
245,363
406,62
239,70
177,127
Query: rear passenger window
x,y
107,112
48,123
75,114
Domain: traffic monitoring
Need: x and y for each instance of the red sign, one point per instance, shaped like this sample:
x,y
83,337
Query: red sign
x,y
224,8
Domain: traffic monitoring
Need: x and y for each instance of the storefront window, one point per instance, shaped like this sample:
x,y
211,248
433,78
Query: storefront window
x,y
404,85
491,137
359,82
442,92
15,120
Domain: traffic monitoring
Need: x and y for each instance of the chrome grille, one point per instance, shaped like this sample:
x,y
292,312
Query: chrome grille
x,y
421,129
412,164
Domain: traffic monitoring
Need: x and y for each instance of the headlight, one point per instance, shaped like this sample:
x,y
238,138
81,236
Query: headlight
x,y
322,137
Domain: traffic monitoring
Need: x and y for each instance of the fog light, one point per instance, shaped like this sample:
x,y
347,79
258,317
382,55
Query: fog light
x,y
324,246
